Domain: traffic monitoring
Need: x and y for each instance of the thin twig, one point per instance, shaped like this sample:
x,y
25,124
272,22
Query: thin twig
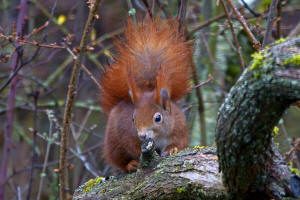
x,y
204,24
279,10
85,69
255,14
71,97
148,8
272,10
201,108
42,177
235,39
36,30
212,60
256,44
33,156
78,151
210,79
295,31
182,13
139,5
88,150
22,41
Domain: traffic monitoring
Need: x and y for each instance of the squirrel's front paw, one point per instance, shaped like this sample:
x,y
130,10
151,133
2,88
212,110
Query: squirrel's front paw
x,y
170,151
132,166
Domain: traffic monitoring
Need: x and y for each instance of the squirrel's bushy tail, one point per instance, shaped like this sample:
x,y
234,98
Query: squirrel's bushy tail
x,y
156,55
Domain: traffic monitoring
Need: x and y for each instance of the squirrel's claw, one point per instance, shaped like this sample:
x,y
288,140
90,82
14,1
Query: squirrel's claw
x,y
132,166
170,151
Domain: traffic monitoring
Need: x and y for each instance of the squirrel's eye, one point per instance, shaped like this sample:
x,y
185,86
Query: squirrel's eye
x,y
157,117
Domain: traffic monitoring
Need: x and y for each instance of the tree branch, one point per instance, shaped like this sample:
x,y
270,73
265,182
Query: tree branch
x,y
256,44
186,175
235,39
94,5
271,14
250,162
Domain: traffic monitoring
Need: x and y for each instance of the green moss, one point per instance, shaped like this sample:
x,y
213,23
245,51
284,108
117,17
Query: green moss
x,y
275,131
280,40
257,75
91,183
295,170
258,58
295,59
179,190
200,147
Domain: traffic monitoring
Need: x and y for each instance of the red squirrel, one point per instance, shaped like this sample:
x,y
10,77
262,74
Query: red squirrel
x,y
140,90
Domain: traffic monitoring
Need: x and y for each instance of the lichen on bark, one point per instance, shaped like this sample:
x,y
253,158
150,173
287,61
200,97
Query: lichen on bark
x,y
250,163
190,174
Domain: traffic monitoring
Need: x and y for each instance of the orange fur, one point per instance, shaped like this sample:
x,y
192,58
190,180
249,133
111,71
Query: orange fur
x,y
152,50
149,75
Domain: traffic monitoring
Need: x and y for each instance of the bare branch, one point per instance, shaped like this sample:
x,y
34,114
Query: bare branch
x,y
71,97
256,44
272,10
235,39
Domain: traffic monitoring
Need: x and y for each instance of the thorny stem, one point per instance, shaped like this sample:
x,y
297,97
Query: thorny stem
x,y
71,96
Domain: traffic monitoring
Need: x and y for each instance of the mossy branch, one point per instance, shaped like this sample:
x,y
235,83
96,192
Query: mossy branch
x,y
250,162
191,174
94,5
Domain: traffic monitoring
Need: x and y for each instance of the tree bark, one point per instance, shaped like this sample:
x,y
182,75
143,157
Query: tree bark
x,y
191,174
250,162
251,165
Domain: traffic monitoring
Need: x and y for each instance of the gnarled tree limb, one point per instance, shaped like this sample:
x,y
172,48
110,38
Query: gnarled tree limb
x,y
186,175
250,163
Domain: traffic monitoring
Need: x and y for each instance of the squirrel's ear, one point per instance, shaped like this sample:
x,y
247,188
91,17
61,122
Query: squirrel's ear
x,y
134,95
164,99
134,92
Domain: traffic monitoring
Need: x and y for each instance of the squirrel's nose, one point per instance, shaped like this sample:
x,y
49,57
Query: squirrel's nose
x,y
142,136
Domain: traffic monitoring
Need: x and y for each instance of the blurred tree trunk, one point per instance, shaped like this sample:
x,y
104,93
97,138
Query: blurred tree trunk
x,y
206,11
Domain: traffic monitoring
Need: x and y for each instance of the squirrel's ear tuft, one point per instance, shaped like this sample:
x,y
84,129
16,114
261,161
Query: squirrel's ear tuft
x,y
164,99
162,93
134,91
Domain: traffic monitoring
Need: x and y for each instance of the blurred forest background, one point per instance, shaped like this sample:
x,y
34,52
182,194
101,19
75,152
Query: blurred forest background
x,y
37,88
